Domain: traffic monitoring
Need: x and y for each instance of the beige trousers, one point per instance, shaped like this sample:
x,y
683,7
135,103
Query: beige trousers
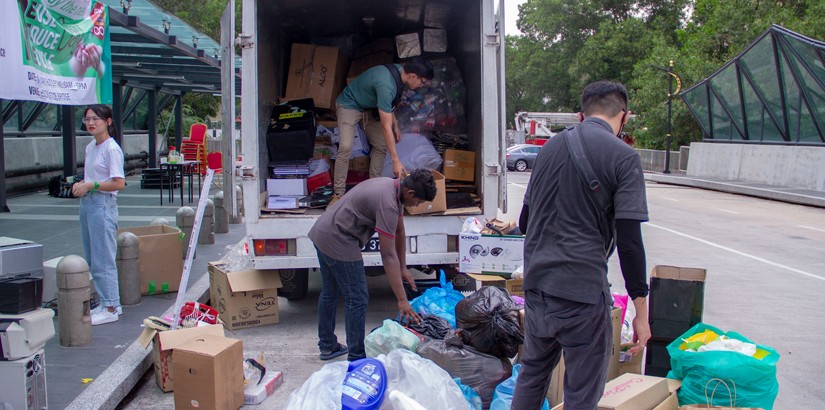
x,y
347,120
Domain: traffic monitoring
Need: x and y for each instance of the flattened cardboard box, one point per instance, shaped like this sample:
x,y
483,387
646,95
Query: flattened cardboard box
x,y
209,370
245,298
160,254
163,344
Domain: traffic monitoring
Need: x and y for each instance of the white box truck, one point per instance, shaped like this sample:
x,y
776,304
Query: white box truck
x,y
475,39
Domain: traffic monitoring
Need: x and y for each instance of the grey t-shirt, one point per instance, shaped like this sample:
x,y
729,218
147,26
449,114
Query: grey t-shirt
x,y
372,206
565,249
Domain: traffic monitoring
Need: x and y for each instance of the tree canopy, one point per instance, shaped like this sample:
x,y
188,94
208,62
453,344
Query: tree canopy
x,y
567,44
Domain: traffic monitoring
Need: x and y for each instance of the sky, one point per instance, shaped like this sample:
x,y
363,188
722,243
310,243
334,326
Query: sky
x,y
511,15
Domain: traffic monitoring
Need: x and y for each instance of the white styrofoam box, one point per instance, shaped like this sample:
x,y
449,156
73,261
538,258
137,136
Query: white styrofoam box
x,y
286,187
479,253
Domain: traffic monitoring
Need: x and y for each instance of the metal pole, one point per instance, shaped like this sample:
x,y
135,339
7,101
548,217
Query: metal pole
x,y
669,99
3,206
69,141
179,121
117,111
153,128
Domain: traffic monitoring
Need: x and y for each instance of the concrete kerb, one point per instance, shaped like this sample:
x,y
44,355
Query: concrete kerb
x,y
774,193
112,386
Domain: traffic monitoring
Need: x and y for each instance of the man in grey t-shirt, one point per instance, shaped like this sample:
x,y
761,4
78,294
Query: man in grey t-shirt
x,y
570,236
373,206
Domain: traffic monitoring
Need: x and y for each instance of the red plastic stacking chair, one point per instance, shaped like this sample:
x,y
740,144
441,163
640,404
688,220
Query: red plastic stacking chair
x,y
214,160
194,148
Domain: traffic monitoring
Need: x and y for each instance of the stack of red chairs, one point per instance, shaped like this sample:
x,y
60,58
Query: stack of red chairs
x,y
194,148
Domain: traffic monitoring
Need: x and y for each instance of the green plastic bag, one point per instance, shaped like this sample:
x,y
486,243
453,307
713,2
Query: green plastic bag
x,y
754,380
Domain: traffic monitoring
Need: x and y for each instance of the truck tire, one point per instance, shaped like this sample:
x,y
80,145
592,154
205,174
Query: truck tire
x,y
295,283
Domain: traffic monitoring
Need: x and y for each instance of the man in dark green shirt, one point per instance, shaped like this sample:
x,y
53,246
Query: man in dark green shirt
x,y
375,88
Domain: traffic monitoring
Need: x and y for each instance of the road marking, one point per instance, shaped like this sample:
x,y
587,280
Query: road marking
x,y
19,217
75,206
811,228
670,199
519,185
730,212
740,253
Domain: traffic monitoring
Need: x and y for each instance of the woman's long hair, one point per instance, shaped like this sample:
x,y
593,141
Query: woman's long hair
x,y
103,111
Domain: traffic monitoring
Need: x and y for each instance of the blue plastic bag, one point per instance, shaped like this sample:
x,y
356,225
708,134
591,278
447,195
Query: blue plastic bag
x,y
473,399
503,397
439,301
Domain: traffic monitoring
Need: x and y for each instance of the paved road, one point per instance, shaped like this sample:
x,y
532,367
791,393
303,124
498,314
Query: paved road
x,y
766,275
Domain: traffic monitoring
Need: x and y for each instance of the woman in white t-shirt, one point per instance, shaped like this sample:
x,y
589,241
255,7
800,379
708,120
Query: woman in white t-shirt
x,y
103,177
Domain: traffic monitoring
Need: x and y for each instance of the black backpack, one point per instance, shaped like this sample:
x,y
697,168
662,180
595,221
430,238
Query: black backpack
x,y
399,86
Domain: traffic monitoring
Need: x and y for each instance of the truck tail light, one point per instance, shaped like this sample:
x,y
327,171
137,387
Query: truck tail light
x,y
273,247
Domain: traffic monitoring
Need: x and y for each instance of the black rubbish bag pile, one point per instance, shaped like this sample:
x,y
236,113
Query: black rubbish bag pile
x,y
489,322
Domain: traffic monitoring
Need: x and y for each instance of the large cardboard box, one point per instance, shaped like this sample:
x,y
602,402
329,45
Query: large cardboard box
x,y
316,72
438,204
633,392
161,261
459,165
676,300
164,343
490,254
670,403
512,286
616,320
209,373
246,298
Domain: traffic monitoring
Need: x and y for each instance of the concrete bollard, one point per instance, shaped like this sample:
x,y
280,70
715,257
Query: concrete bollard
x,y
239,200
128,268
206,235
221,214
185,218
159,221
74,320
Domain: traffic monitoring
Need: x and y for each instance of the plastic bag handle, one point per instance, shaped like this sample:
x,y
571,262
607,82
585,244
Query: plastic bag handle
x,y
731,396
442,277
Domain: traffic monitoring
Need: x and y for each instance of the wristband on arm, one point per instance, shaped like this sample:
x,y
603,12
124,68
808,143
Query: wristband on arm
x,y
97,185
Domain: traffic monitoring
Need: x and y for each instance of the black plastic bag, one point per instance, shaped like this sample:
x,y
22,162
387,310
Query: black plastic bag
x,y
432,326
489,322
480,371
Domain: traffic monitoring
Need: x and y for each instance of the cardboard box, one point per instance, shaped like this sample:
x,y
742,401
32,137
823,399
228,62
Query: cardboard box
x,y
459,165
316,72
634,392
360,164
164,343
512,286
161,257
438,204
676,300
408,45
209,371
555,393
490,254
435,40
633,364
616,320
286,187
364,63
246,298
672,401
283,202
255,393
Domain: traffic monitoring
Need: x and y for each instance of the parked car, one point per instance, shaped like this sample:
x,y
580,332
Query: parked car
x,y
522,157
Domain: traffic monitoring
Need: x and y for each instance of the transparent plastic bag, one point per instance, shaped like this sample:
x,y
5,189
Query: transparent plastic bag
x,y
389,336
470,395
439,301
421,380
322,390
503,397
237,257
414,151
252,374
472,225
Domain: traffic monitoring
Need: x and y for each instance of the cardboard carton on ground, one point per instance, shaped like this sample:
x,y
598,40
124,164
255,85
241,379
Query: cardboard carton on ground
x,y
634,365
164,343
255,393
633,392
670,403
246,298
490,254
209,372
438,204
160,264
512,286
459,165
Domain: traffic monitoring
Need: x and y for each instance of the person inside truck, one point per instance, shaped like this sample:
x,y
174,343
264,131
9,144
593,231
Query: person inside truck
x,y
570,236
373,206
380,88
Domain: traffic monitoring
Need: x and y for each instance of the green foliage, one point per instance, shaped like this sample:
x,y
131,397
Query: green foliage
x,y
167,116
568,44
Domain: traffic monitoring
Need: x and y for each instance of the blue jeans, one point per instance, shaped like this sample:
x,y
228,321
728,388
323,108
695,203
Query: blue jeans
x,y
98,229
349,280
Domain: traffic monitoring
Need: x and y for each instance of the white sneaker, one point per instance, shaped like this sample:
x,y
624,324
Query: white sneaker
x,y
101,307
104,316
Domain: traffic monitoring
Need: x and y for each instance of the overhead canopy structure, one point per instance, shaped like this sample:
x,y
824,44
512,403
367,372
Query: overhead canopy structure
x,y
771,93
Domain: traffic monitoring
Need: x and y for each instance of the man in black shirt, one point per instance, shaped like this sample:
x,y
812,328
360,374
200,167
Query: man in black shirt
x,y
570,237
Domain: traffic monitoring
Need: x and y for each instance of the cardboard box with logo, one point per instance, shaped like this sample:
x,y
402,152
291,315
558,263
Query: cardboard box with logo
x,y
161,263
459,165
634,391
490,254
316,72
246,298
438,204
209,372
163,345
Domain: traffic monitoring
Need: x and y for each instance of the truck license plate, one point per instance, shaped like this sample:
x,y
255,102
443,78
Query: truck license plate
x,y
372,245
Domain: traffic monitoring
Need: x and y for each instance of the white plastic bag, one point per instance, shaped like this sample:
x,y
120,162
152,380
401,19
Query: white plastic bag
x,y
322,390
237,257
472,225
360,144
414,151
421,380
390,336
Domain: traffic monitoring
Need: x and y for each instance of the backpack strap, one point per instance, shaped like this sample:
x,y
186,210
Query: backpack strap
x,y
399,86
584,168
